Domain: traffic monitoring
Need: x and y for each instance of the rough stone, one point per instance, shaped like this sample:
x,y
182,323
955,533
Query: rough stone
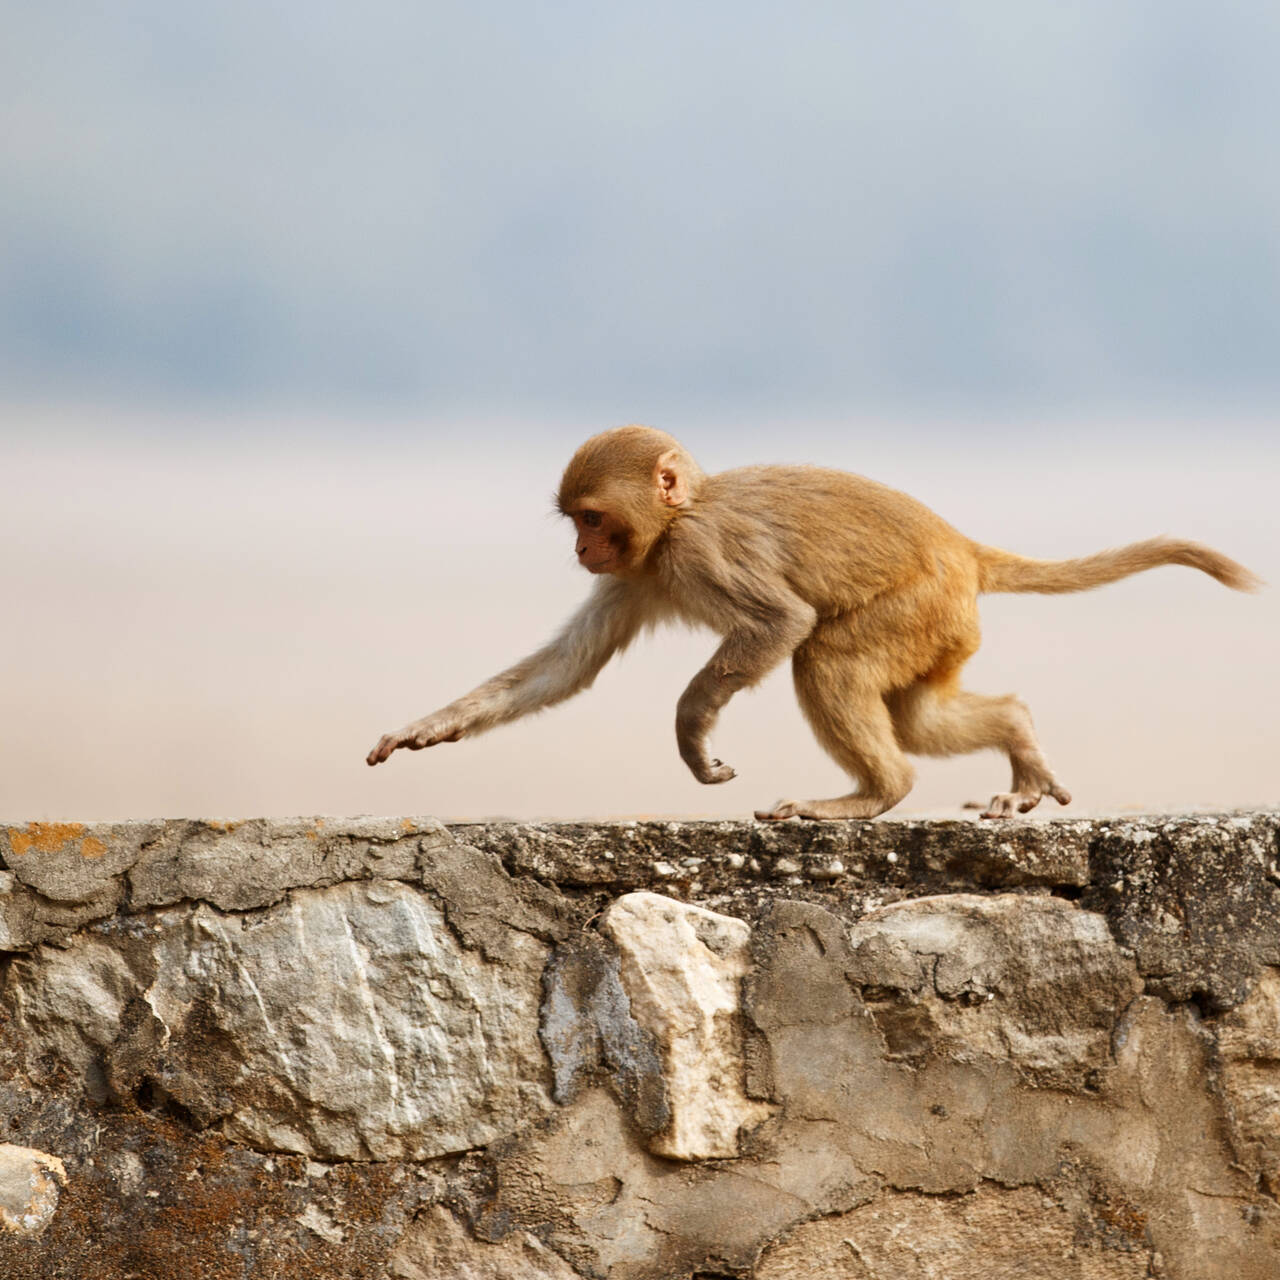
x,y
29,1182
1195,898
342,1024
437,1246
621,855
682,969
70,862
1032,982
237,866
1248,1043
992,1233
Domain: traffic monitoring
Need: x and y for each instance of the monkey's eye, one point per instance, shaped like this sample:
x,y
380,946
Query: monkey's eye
x,y
592,519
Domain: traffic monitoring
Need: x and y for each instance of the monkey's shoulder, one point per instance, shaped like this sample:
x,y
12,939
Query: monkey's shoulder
x,y
794,498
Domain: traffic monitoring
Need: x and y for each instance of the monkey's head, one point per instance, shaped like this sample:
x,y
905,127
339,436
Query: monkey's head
x,y
621,490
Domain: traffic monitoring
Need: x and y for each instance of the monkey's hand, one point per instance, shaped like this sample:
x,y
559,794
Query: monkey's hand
x,y
709,771
690,739
695,718
713,771
427,732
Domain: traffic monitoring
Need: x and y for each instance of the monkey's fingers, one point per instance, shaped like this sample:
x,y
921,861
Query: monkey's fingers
x,y
383,748
412,739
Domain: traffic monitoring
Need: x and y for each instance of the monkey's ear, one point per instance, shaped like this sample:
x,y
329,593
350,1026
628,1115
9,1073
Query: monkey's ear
x,y
669,475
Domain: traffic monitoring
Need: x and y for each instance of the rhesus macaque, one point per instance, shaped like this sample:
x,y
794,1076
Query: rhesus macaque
x,y
871,596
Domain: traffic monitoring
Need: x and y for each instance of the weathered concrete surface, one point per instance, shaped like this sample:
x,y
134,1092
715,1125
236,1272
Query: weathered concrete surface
x,y
889,1051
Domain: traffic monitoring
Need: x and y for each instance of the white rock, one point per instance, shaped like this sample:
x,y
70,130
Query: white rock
x,y
29,1182
682,968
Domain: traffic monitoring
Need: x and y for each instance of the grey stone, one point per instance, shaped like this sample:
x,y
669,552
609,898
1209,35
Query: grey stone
x,y
588,1030
1197,898
71,862
241,865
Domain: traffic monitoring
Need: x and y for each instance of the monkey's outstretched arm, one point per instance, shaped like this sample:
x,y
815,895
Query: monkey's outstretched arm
x,y
606,623
750,650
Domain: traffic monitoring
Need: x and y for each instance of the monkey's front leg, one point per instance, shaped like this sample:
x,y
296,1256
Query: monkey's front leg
x,y
745,657
696,713
603,625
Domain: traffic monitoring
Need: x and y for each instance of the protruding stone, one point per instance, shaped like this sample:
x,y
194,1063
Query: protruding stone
x,y
682,968
1034,981
29,1183
1249,1062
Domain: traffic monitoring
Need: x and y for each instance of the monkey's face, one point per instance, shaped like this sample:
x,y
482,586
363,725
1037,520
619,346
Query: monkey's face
x,y
601,541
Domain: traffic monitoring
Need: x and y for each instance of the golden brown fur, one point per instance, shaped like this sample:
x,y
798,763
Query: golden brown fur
x,y
871,595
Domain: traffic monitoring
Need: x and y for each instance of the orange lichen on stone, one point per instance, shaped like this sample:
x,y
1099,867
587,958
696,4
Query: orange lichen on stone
x,y
49,837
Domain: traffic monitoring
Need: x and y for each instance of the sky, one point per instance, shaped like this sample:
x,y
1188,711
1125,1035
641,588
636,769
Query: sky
x,y
639,210
303,308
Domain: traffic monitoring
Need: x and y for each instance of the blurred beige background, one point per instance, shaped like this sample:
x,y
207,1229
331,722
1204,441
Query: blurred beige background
x,y
303,308
223,627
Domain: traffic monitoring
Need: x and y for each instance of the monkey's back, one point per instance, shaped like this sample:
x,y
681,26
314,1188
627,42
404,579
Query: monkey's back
x,y
841,540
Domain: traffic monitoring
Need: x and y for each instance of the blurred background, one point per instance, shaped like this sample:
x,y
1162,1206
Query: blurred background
x,y
303,309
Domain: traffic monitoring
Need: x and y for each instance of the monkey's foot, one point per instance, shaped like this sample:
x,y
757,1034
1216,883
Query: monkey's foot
x,y
1008,803
817,810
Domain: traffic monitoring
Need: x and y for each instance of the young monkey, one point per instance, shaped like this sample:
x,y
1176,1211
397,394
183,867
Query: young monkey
x,y
871,596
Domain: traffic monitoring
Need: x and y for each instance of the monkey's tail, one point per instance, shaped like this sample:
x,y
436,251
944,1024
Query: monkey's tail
x,y
1004,571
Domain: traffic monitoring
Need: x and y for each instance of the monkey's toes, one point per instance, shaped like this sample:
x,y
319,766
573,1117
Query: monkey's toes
x,y
1059,794
780,812
1010,803
1001,806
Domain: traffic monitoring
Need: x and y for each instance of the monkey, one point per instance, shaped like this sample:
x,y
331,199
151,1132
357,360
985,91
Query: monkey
x,y
871,596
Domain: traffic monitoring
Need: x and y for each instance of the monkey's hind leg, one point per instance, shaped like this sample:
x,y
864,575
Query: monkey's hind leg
x,y
850,720
941,719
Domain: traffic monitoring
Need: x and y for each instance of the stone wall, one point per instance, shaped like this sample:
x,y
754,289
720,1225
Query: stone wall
x,y
880,1051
